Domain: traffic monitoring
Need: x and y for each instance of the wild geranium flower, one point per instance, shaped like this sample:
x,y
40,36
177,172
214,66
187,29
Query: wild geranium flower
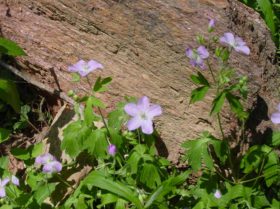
x,y
2,186
49,163
275,117
235,42
142,115
197,56
15,180
112,149
211,25
218,194
84,68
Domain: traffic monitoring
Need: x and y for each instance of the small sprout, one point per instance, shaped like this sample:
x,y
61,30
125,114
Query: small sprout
x,y
142,115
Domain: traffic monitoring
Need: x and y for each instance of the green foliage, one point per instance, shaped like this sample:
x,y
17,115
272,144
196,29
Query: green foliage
x,y
9,94
9,47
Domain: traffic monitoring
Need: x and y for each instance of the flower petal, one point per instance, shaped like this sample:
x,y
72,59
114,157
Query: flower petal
x,y
92,64
228,38
242,49
143,103
131,109
211,23
147,127
218,194
112,149
43,159
202,52
2,192
4,182
134,123
275,118
239,41
278,107
15,180
52,167
189,53
154,110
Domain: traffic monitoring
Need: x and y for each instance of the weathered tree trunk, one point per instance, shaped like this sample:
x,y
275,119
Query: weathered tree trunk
x,y
142,45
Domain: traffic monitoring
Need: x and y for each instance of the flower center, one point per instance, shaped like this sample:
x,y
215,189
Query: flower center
x,y
143,116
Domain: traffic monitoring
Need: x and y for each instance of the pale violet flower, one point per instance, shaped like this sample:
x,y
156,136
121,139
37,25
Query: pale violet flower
x,y
84,68
112,149
211,25
15,180
275,117
142,115
218,194
2,186
52,167
49,163
197,56
235,42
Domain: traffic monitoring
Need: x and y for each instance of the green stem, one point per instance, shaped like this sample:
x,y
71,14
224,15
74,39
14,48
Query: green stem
x,y
64,182
258,177
211,71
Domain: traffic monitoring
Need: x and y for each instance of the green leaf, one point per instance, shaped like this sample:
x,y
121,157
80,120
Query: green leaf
x,y
10,48
9,94
117,118
44,191
267,10
197,151
101,84
96,143
149,175
22,154
4,161
200,79
236,106
271,169
75,77
4,134
166,187
88,112
275,139
198,94
218,103
74,136
97,179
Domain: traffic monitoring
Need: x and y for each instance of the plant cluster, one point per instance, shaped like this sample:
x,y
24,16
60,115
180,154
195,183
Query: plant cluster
x,y
119,148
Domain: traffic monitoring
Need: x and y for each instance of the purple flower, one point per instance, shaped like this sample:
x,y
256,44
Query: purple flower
x,y
218,194
197,57
142,115
112,149
235,42
43,159
15,180
49,163
211,25
2,186
275,117
83,68
52,167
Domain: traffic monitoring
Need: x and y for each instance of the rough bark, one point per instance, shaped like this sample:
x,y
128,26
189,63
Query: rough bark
x,y
142,45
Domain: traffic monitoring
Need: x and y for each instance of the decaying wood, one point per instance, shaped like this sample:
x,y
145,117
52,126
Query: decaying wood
x,y
142,45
